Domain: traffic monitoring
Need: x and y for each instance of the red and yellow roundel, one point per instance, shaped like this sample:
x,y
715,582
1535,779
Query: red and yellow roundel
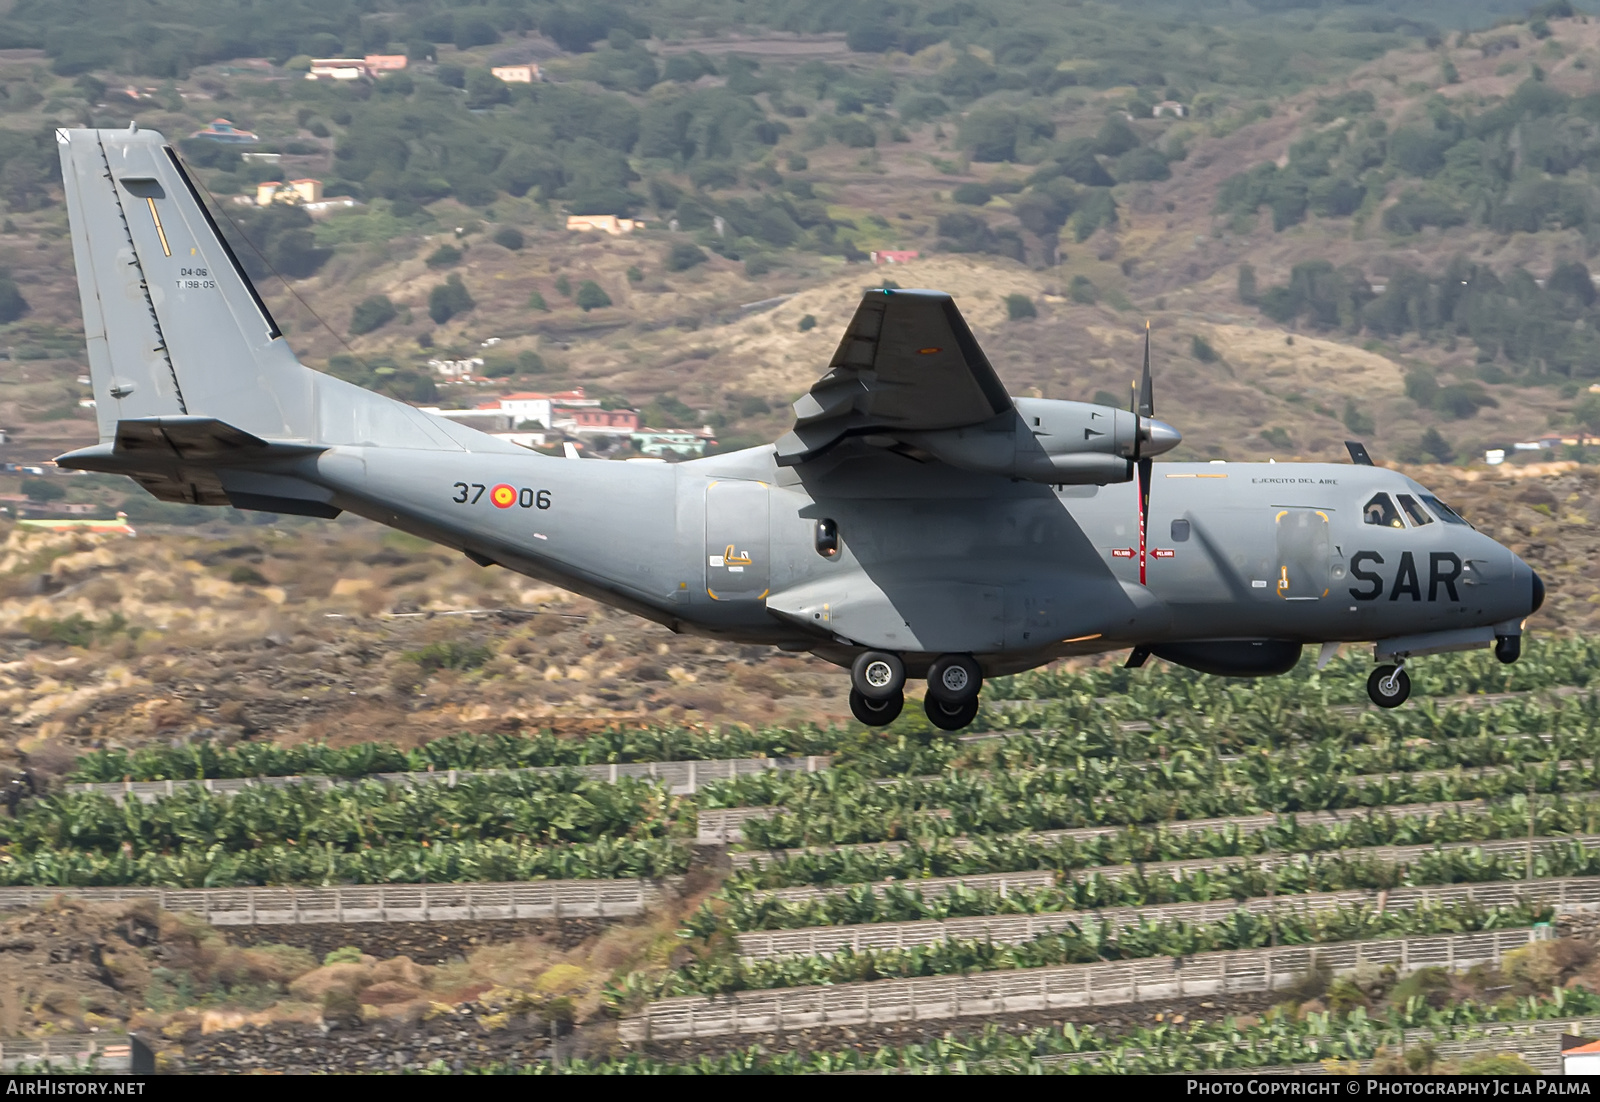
x,y
503,496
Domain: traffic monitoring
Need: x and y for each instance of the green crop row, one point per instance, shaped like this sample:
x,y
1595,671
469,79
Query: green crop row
x,y
1378,736
1106,794
1332,759
1278,1039
283,864
1092,941
1546,662
261,759
906,902
927,856
534,808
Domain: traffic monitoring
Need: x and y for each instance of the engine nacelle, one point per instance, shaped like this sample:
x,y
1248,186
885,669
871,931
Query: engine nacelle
x,y
1056,442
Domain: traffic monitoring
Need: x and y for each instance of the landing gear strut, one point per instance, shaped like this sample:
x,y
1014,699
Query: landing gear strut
x,y
1389,686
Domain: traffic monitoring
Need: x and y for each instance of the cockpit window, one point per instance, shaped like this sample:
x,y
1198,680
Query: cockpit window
x,y
1443,511
1381,511
1414,512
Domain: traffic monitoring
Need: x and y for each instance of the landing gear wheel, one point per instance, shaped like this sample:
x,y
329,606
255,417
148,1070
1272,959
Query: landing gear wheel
x,y
1389,686
950,717
877,713
878,675
954,679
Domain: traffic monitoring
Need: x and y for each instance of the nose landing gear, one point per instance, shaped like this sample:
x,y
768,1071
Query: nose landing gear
x,y
1389,686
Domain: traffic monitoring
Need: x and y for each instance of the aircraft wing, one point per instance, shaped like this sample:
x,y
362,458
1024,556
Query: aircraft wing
x,y
908,362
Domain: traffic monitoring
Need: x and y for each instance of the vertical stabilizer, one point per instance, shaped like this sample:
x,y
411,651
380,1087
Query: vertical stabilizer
x,y
172,324
175,328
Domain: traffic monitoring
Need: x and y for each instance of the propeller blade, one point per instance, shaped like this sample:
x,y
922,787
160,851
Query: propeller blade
x,y
1146,409
1147,396
1144,511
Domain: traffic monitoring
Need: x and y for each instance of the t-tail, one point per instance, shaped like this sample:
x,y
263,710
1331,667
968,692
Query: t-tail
x,y
198,396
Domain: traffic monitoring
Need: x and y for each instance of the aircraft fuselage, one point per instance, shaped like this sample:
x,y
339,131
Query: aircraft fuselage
x,y
927,559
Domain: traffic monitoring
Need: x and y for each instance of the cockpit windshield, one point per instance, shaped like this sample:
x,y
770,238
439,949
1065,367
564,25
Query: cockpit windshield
x,y
1381,511
1444,512
1414,512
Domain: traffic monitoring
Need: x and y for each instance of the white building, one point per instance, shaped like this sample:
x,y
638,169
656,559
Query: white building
x,y
457,369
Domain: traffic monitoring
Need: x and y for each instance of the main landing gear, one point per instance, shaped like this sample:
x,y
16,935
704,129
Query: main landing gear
x,y
1389,686
877,689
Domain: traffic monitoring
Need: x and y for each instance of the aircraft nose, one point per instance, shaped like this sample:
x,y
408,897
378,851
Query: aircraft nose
x,y
1160,437
1538,592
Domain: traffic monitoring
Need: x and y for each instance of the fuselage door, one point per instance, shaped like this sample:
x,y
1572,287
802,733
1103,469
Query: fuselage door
x,y
738,563
1305,555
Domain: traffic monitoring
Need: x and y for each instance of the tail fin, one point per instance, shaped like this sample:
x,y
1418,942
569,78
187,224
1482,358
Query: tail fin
x,y
173,326
176,330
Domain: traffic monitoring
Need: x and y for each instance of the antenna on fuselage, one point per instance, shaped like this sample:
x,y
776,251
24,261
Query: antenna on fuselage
x,y
1358,453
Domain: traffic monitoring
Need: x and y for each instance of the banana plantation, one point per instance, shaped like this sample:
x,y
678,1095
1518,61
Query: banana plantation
x,y
1278,791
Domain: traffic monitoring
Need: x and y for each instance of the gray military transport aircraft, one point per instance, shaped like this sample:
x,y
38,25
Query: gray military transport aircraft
x,y
917,522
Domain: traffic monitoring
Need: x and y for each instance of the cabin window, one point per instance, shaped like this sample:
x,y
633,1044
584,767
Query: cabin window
x,y
1180,531
1414,512
1443,511
1381,511
827,538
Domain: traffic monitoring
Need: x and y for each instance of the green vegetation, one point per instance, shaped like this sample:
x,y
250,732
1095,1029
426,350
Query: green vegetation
x,y
591,296
1019,307
449,299
1092,941
371,313
248,759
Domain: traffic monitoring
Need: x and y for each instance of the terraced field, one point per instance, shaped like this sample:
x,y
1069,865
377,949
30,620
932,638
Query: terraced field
x,y
1103,839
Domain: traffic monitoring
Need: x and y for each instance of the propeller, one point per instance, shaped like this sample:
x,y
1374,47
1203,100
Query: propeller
x,y
1143,408
1150,439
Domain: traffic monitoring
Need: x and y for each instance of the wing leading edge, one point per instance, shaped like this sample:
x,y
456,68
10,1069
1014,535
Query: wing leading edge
x,y
908,363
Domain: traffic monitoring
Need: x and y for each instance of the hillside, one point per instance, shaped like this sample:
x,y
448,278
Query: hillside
x,y
1063,190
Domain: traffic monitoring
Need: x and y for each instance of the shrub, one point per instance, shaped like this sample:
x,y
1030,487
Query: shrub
x,y
591,296
43,489
1019,306
12,304
808,323
444,256
564,285
1201,349
346,954
509,237
635,275
684,255
1082,290
246,575
449,299
1436,447
453,655
371,313
536,301
973,195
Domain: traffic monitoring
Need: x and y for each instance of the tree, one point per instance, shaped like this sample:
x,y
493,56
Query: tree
x,y
12,304
808,323
1247,284
509,237
371,313
591,296
42,489
683,256
972,194
1019,306
444,256
449,299
1435,446
1201,349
